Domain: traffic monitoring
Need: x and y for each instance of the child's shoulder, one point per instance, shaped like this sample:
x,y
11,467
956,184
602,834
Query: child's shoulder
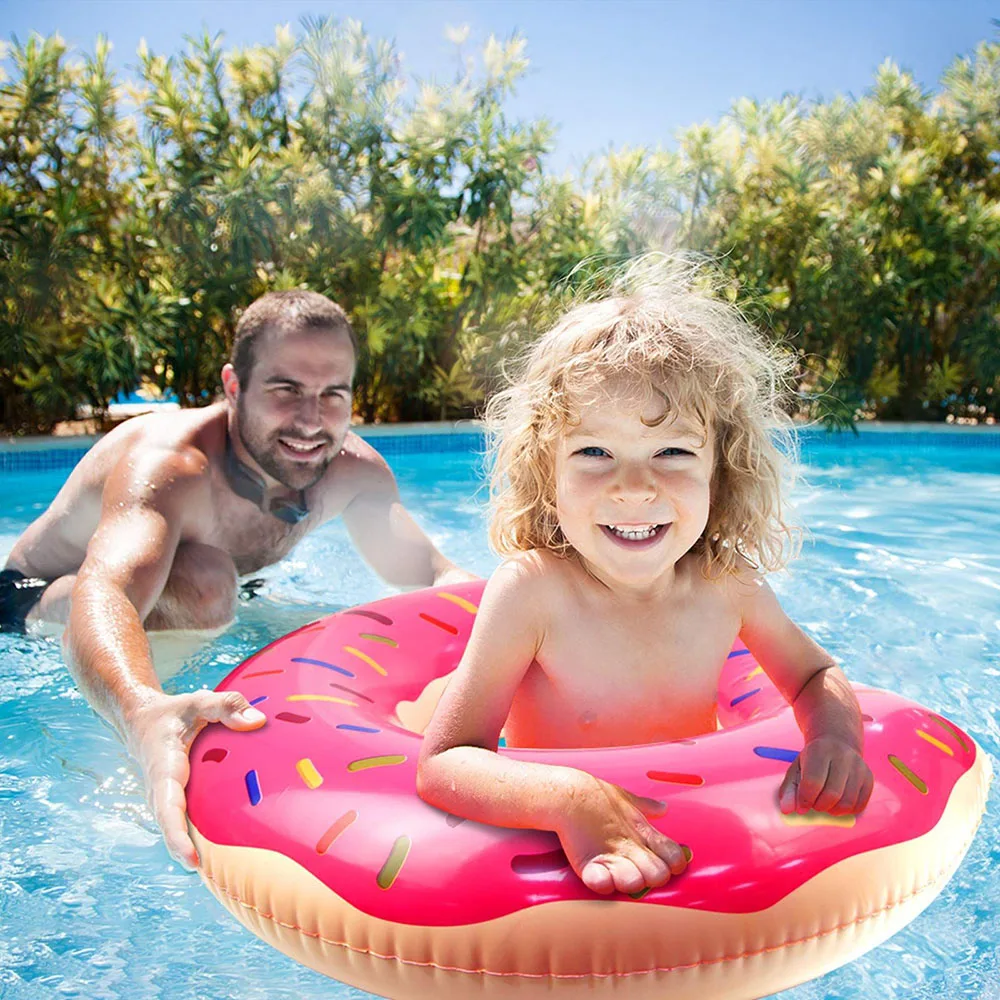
x,y
534,573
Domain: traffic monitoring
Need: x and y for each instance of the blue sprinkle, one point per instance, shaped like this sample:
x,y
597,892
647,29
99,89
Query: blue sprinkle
x,y
743,697
738,652
257,701
358,729
253,787
322,663
776,753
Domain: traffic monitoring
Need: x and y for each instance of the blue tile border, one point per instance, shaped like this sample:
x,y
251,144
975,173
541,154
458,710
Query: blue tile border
x,y
41,459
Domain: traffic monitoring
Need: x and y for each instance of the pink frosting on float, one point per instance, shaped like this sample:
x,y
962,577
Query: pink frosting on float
x,y
329,781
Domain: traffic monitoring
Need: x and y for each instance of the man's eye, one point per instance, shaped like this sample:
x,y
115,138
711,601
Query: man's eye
x,y
286,390
592,451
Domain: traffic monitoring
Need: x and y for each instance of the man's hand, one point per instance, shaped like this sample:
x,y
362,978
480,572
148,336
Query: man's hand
x,y
611,844
829,776
160,735
452,574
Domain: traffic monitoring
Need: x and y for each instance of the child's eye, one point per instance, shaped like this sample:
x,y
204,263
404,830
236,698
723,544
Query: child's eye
x,y
670,452
592,451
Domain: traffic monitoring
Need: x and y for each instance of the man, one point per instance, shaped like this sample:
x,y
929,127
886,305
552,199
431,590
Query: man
x,y
155,524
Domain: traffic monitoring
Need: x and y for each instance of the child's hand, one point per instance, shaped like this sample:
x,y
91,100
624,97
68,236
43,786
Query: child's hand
x,y
612,846
829,776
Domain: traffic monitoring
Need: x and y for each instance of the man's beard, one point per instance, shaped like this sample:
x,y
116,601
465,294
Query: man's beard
x,y
263,450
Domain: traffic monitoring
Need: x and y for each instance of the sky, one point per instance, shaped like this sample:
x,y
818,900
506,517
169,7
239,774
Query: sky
x,y
607,74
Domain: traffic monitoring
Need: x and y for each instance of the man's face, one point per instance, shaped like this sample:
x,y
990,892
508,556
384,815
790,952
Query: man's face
x,y
295,411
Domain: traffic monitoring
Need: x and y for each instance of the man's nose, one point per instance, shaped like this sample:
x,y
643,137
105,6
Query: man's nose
x,y
310,415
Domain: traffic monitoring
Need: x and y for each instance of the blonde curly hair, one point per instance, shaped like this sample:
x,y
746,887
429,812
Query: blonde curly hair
x,y
662,323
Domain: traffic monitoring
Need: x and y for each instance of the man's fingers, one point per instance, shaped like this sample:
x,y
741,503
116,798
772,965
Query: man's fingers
x,y
647,806
171,816
597,877
231,709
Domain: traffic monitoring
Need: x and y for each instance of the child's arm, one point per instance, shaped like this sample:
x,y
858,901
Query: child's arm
x,y
830,774
603,828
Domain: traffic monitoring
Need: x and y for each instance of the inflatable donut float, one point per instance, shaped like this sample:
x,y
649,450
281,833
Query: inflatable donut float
x,y
311,833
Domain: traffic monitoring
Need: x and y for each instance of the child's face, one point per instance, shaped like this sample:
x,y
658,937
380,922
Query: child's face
x,y
633,498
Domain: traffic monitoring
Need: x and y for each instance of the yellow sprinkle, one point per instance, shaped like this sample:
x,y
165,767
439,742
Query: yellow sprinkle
x,y
321,697
753,673
813,818
393,863
308,773
379,638
460,601
385,761
366,659
935,742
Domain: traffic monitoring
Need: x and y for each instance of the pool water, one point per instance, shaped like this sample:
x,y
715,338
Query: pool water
x,y
899,579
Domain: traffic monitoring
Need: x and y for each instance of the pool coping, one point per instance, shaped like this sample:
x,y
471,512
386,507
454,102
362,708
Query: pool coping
x,y
36,453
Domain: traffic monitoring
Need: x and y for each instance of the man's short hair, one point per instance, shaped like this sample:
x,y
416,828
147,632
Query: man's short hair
x,y
283,313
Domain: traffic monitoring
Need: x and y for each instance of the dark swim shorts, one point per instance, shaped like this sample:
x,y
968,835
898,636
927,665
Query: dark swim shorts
x,y
18,595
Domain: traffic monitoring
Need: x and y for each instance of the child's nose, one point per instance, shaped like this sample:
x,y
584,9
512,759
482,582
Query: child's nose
x,y
634,484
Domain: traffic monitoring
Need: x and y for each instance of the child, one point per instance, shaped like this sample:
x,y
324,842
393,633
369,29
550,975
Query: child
x,y
636,495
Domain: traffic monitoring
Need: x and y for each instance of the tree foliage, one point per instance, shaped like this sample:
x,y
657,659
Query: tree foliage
x,y
138,217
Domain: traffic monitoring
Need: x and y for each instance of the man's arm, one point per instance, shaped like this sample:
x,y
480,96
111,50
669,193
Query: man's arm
x,y
127,565
388,538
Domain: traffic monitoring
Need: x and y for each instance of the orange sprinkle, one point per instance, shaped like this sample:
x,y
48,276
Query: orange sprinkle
x,y
935,742
460,601
753,673
365,658
335,831
440,624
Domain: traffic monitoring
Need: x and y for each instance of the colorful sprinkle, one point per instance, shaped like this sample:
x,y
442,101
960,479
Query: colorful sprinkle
x,y
813,818
867,718
914,779
324,842
358,729
292,717
460,601
675,778
386,760
539,864
322,663
261,673
954,730
379,638
935,742
641,892
365,658
354,694
308,773
374,615
743,697
738,652
440,624
253,787
215,756
321,697
753,673
257,701
390,870
776,753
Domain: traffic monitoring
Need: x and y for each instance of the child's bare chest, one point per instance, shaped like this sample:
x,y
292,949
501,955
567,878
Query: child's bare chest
x,y
622,680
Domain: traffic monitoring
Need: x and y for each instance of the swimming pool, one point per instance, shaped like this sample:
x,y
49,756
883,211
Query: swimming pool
x,y
900,581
